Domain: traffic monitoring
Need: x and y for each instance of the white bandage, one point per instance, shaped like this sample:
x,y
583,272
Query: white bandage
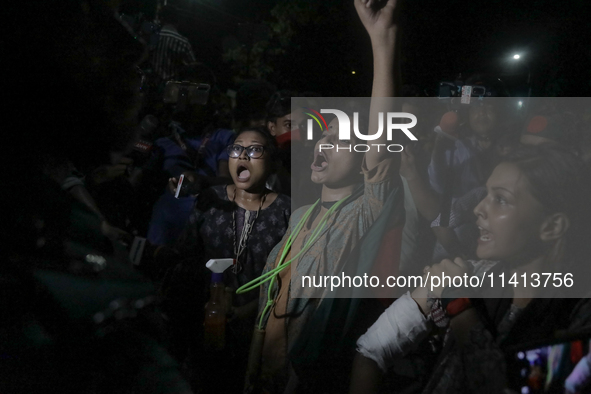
x,y
399,330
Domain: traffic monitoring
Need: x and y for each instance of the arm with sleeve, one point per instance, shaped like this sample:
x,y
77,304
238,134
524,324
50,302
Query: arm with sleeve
x,y
397,332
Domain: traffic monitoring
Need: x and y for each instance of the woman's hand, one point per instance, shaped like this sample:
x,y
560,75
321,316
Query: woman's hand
x,y
199,180
458,267
172,184
378,19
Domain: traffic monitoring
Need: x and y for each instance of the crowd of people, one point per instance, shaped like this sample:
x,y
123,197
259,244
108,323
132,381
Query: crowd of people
x,y
131,173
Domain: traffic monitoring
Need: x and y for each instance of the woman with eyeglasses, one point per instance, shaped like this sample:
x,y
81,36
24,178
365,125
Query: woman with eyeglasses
x,y
243,221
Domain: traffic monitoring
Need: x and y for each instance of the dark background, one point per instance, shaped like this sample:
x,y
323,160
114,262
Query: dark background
x,y
441,39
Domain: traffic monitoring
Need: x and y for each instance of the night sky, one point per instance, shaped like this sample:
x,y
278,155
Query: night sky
x,y
441,39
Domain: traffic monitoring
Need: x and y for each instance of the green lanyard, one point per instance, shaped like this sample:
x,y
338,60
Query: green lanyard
x,y
272,274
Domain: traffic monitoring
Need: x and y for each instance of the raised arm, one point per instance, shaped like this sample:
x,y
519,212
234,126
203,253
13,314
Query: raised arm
x,y
380,23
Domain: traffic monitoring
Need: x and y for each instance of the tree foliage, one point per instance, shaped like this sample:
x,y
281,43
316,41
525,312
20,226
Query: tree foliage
x,y
264,46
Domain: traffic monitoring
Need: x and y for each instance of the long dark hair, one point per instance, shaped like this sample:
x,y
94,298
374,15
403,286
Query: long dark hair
x,y
561,182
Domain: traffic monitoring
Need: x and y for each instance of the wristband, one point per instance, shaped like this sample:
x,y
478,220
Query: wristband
x,y
454,300
457,306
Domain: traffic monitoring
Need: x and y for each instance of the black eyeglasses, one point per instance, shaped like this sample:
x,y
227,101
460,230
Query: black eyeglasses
x,y
253,151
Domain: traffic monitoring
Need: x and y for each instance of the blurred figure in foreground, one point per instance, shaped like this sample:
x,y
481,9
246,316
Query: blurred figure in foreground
x,y
74,319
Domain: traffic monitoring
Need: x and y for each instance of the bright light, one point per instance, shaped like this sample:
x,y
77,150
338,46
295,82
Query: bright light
x,y
516,56
520,104
352,72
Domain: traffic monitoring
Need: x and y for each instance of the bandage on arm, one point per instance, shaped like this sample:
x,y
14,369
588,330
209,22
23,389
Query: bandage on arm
x,y
398,331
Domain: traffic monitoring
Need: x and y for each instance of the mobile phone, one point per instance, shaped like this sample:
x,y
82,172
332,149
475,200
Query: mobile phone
x,y
137,250
186,188
550,367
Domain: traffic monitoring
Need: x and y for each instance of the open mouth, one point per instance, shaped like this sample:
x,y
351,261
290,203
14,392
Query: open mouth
x,y
320,162
485,235
242,173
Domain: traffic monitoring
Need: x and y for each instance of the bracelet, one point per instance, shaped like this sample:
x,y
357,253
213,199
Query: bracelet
x,y
452,301
437,312
457,306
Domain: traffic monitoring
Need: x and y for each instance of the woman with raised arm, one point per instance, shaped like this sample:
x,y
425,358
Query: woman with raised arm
x,y
321,237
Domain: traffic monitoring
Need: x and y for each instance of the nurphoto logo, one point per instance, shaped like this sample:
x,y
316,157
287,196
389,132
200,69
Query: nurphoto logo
x,y
345,129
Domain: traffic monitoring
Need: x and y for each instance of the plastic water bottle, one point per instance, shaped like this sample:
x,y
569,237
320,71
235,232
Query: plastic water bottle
x,y
215,315
217,307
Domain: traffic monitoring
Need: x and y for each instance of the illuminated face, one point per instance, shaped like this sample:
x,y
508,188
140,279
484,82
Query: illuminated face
x,y
509,217
280,126
247,173
335,168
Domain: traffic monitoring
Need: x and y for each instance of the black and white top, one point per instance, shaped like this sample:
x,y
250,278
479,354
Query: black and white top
x,y
210,233
172,52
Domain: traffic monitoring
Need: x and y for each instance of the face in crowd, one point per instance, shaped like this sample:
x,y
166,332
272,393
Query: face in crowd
x,y
334,168
483,120
536,207
250,161
509,217
281,126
